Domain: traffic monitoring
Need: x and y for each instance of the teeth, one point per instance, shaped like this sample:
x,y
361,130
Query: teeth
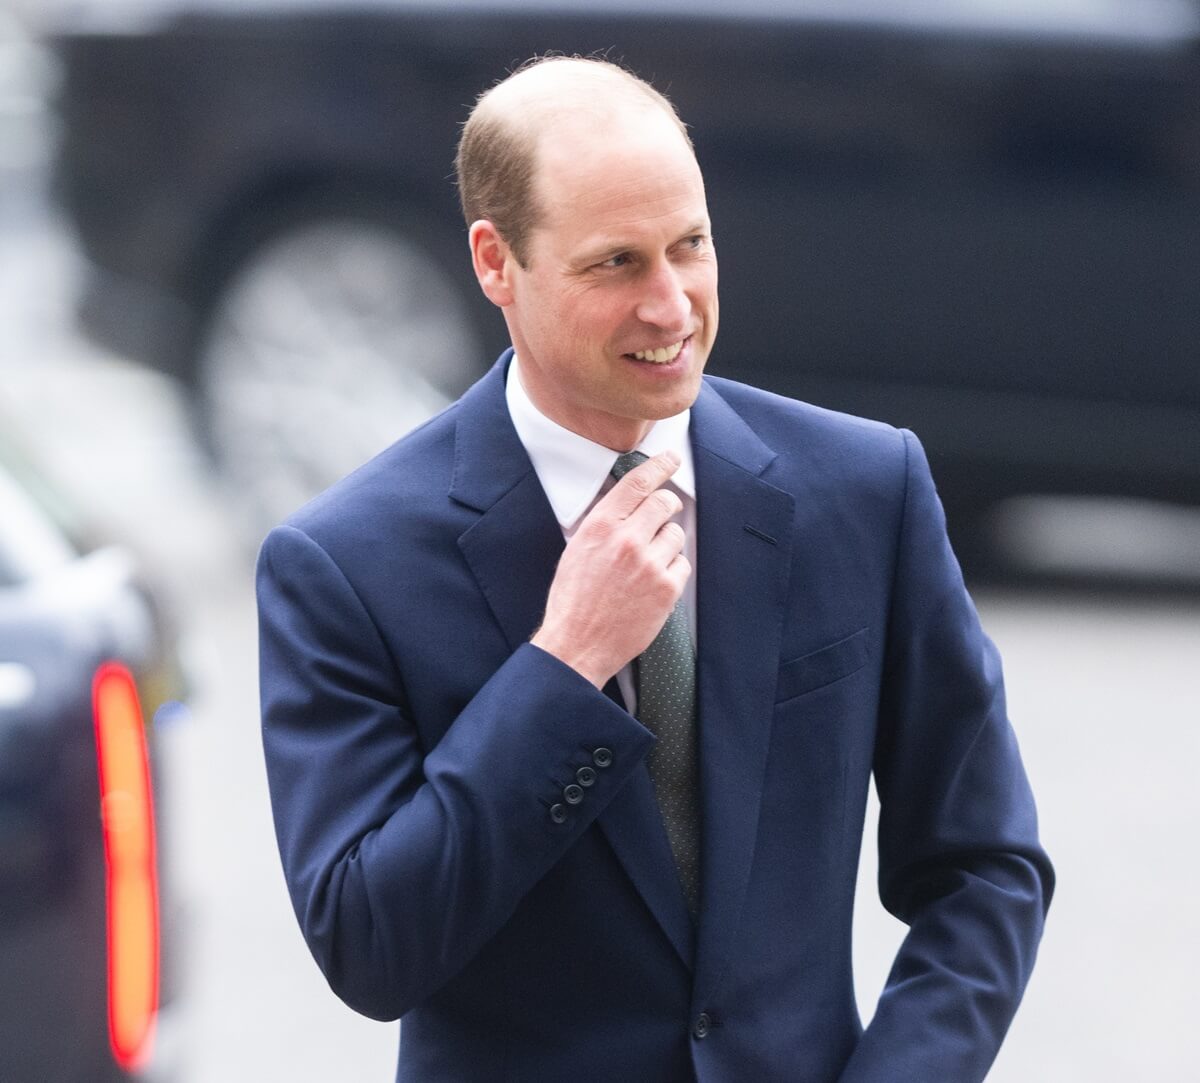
x,y
662,355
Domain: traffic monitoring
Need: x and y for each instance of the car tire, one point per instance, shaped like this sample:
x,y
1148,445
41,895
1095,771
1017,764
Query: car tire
x,y
335,334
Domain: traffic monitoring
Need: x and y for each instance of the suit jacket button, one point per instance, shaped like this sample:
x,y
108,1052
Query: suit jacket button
x,y
572,794
558,813
702,1026
602,757
585,776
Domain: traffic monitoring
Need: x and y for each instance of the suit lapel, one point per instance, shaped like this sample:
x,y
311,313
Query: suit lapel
x,y
512,550
514,546
743,554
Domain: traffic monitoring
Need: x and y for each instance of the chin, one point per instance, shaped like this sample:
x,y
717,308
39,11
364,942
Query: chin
x,y
669,408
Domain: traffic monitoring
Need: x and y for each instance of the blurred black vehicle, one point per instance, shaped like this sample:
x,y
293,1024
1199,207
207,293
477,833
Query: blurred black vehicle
x,y
974,218
83,651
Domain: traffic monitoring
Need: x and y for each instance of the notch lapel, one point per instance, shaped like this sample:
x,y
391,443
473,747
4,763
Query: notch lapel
x,y
744,557
512,550
514,546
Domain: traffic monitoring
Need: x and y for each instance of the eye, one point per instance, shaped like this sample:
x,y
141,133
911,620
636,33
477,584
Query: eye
x,y
695,245
619,260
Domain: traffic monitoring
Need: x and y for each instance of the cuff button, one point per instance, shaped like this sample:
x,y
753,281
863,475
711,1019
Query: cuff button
x,y
602,757
558,813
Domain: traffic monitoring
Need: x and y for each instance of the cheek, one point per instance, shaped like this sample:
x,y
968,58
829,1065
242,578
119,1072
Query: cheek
x,y
706,282
597,320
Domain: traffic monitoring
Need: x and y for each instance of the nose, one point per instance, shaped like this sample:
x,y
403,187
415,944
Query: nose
x,y
664,302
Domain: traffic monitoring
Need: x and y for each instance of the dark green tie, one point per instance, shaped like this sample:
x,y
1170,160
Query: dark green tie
x,y
666,693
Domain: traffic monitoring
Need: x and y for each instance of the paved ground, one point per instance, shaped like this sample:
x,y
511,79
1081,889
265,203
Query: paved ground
x,y
1103,688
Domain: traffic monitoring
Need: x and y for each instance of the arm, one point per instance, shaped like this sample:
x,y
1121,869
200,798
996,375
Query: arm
x,y
401,865
960,861
402,861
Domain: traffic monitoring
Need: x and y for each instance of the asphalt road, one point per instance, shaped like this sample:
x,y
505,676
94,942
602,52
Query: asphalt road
x,y
1103,689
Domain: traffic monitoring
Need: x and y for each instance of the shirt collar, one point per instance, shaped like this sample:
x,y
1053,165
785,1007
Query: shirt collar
x,y
571,468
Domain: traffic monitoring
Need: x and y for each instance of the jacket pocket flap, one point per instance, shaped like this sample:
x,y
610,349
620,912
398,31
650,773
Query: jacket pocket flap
x,y
822,667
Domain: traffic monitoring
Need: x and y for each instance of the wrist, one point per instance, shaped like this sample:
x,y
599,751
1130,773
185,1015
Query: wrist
x,y
579,660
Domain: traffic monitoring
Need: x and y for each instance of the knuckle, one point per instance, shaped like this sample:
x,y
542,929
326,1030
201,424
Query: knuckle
x,y
599,522
640,481
597,527
665,501
673,532
626,548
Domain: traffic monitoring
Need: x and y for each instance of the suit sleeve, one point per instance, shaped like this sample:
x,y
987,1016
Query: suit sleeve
x,y
959,857
401,861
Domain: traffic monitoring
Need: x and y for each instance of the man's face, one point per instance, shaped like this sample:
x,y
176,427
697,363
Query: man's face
x,y
615,313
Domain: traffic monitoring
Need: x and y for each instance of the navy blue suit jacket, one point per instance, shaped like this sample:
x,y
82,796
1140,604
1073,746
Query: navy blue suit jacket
x,y
416,743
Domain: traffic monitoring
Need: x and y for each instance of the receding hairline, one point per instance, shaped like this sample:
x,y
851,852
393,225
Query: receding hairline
x,y
550,90
497,164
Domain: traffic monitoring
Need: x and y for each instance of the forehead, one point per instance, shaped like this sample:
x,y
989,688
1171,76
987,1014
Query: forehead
x,y
632,173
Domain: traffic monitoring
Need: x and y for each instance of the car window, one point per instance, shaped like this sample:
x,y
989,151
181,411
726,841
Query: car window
x,y
1146,20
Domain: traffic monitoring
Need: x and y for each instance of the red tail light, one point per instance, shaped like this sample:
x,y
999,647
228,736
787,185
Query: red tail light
x,y
127,813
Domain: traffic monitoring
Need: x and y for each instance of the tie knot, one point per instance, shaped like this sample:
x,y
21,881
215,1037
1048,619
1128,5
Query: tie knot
x,y
627,462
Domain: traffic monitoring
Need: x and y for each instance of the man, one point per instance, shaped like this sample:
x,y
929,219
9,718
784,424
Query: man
x,y
513,807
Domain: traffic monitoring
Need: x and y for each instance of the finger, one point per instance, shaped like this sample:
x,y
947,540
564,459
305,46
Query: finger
x,y
666,544
680,571
666,552
647,519
628,493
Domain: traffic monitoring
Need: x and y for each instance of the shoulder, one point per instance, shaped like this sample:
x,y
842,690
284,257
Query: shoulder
x,y
818,442
387,497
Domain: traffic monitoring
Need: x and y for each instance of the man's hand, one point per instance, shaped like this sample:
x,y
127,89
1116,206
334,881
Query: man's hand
x,y
619,577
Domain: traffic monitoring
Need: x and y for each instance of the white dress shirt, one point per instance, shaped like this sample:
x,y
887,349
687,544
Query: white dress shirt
x,y
575,472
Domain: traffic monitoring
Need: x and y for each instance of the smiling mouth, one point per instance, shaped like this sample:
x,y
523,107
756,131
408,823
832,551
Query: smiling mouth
x,y
661,355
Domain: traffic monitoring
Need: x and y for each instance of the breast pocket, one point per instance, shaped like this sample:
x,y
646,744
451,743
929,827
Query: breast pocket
x,y
821,667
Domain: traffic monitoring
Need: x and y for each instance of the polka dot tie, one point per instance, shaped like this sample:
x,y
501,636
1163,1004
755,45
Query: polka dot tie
x,y
666,691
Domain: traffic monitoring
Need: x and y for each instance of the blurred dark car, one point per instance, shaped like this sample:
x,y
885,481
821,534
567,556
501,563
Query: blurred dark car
x,y
977,219
83,651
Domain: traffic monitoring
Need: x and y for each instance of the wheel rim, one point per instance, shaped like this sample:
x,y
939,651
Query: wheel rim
x,y
332,341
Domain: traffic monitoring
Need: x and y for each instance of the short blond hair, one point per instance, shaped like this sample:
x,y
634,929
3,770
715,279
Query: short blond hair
x,y
495,163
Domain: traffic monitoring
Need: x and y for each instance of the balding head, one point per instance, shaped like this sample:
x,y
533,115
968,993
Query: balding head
x,y
497,156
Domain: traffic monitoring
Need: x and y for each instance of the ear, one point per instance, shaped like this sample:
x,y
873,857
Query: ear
x,y
493,261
